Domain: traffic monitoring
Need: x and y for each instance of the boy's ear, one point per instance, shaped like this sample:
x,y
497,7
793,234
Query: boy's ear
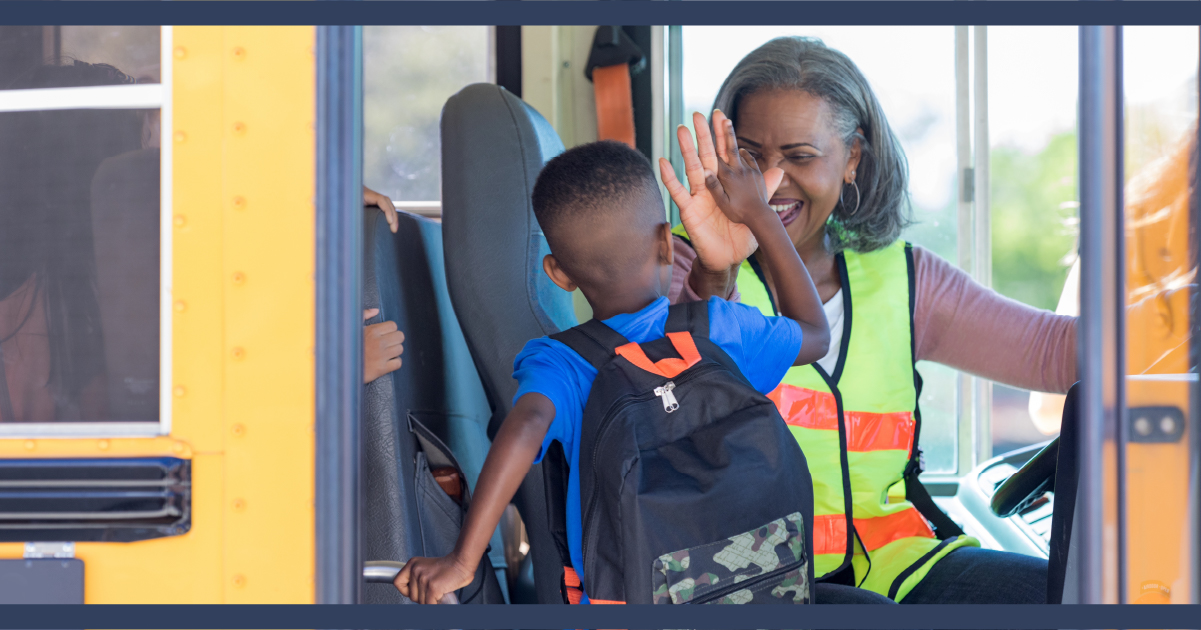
x,y
551,266
666,244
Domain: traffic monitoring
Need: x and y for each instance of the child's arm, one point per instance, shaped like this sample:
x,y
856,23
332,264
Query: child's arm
x,y
740,191
372,198
426,580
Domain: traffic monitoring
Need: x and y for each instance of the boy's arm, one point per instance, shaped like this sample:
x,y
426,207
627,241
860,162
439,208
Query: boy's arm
x,y
740,192
426,580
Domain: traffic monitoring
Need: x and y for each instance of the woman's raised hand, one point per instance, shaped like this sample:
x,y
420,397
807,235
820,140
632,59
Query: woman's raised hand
x,y
719,242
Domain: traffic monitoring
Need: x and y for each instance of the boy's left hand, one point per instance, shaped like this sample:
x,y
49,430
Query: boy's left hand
x,y
372,198
382,347
737,185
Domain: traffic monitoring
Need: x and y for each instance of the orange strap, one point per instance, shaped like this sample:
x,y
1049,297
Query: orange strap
x,y
667,368
614,103
572,580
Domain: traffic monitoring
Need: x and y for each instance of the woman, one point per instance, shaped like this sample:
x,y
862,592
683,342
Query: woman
x,y
806,110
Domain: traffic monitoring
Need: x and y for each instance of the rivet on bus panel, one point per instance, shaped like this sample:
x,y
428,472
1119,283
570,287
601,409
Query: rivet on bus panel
x,y
239,505
239,53
180,306
238,353
30,445
180,390
177,447
180,52
238,429
239,580
239,278
239,128
102,445
180,136
239,203
180,220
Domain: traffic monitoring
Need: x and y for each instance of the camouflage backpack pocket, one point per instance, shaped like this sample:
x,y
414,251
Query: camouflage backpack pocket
x,y
766,565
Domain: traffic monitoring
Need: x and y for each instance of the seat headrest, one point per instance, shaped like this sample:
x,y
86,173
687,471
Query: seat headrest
x,y
493,147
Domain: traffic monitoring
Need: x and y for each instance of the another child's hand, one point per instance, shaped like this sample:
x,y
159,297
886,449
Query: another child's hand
x,y
372,198
382,347
737,185
426,580
719,243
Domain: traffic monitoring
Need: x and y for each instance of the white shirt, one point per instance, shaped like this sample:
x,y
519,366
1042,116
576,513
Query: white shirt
x,y
834,312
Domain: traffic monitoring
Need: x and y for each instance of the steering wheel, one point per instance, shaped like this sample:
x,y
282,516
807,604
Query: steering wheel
x,y
1028,484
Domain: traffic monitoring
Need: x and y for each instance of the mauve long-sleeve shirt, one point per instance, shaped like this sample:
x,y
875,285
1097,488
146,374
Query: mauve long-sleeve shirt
x,y
961,324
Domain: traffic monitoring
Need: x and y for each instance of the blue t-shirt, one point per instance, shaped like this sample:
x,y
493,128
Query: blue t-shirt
x,y
762,347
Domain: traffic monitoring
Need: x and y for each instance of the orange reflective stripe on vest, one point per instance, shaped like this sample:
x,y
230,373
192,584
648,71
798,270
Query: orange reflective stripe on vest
x,y
866,431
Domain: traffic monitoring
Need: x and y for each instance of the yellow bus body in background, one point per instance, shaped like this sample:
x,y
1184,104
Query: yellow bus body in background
x,y
242,363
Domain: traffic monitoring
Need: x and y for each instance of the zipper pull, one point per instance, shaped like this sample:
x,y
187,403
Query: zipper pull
x,y
669,399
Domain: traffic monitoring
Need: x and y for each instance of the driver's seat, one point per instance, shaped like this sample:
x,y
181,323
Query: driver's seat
x,y
493,147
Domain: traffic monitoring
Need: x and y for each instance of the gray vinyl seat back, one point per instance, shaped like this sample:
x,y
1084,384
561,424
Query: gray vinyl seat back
x,y
431,412
493,147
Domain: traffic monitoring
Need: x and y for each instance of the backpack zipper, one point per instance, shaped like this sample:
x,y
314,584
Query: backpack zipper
x,y
669,399
618,407
726,590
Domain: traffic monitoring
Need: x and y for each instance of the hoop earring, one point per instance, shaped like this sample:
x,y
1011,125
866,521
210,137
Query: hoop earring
x,y
858,199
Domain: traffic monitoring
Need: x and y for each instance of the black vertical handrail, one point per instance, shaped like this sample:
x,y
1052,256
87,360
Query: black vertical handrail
x,y
339,345
1101,344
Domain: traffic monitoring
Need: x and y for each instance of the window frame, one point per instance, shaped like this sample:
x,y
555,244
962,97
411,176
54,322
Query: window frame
x,y
138,96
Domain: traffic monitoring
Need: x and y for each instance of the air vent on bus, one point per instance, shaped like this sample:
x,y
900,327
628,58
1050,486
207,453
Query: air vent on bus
x,y
115,500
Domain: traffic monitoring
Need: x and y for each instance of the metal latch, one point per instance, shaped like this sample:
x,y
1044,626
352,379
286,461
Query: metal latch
x,y
49,550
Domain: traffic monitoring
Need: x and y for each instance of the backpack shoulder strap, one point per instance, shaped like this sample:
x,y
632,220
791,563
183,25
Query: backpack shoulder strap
x,y
690,317
592,340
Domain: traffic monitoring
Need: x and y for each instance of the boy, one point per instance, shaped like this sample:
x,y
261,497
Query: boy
x,y
600,208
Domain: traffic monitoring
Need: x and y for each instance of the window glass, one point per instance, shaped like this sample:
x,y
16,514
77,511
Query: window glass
x,y
133,49
917,92
1033,196
408,73
79,244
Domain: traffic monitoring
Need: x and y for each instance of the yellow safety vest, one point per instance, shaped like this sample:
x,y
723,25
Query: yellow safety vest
x,y
858,427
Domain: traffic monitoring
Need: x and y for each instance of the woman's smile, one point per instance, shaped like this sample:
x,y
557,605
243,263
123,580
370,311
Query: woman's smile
x,y
787,209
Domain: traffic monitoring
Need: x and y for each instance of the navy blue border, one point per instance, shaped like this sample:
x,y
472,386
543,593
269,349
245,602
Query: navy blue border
x,y
260,12
983,617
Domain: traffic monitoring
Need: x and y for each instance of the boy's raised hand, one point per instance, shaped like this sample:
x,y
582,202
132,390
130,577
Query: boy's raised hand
x,y
719,243
736,185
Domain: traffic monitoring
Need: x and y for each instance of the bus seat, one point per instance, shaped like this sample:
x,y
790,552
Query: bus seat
x,y
405,513
493,147
125,228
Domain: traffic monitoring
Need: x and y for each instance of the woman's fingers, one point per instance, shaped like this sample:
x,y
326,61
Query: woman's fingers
x,y
674,188
704,142
693,169
731,141
771,180
719,127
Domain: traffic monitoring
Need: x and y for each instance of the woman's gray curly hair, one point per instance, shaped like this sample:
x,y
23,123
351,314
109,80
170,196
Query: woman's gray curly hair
x,y
807,64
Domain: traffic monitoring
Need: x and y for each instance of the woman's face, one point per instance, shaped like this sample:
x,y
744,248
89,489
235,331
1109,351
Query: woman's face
x,y
794,131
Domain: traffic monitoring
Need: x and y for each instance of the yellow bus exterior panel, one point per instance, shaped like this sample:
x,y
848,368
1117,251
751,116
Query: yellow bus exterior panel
x,y
243,184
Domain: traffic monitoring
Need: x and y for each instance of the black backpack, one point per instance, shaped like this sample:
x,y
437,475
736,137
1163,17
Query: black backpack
x,y
693,490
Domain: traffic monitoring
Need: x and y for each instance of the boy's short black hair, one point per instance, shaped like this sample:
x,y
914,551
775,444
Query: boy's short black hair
x,y
586,181
597,204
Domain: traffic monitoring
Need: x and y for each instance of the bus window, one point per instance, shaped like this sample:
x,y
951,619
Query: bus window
x,y
408,73
80,228
1033,196
922,114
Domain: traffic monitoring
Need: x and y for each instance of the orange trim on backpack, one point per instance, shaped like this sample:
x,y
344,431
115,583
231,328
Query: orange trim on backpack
x,y
605,601
614,103
667,368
